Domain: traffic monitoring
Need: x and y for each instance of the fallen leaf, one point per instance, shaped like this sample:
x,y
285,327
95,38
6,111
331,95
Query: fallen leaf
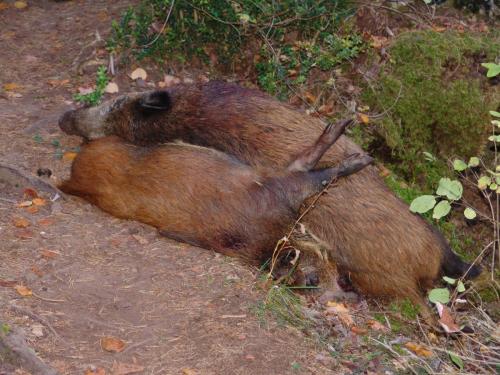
x,y
378,41
21,222
24,234
85,90
139,73
23,290
97,371
11,86
359,330
326,109
49,254
112,344
39,202
376,326
57,82
169,80
309,97
32,209
45,222
140,239
20,4
3,6
25,204
364,119
125,368
418,349
446,319
188,371
69,156
384,172
111,88
37,330
439,29
341,311
29,194
7,283
37,271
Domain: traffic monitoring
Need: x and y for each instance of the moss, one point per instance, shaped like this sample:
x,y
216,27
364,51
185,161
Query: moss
x,y
437,101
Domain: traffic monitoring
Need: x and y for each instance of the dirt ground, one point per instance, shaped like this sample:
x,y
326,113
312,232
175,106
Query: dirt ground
x,y
179,309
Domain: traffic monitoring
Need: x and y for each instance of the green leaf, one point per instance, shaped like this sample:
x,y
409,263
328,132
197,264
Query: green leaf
x,y
459,165
456,360
460,287
442,209
423,204
493,186
496,123
429,156
452,189
38,138
469,213
474,162
493,69
495,113
441,295
449,280
483,182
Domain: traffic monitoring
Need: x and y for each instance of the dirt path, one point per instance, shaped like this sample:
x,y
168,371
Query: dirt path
x,y
180,310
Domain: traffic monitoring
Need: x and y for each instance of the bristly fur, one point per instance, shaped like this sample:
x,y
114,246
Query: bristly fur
x,y
372,236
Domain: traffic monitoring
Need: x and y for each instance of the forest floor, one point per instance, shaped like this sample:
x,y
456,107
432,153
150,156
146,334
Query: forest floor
x,y
177,309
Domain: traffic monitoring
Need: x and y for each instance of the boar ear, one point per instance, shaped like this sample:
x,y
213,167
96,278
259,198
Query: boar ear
x,y
155,101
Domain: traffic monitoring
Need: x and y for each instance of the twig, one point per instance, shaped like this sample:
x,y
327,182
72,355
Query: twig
x,y
48,299
162,27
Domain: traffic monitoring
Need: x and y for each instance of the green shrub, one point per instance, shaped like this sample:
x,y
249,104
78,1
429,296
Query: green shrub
x,y
436,100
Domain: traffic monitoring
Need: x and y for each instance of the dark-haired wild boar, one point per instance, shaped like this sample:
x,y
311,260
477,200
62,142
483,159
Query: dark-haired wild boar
x,y
200,195
370,233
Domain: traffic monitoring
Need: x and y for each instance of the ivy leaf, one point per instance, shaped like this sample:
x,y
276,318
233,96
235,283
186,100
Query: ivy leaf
x,y
449,280
469,213
460,287
456,360
459,165
442,209
483,182
493,69
441,295
452,189
495,113
423,204
474,162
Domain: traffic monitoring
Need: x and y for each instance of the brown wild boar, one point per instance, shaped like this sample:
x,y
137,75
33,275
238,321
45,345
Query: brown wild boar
x,y
370,233
200,195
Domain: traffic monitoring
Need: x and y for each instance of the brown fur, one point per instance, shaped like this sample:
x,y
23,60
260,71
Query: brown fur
x,y
370,233
202,196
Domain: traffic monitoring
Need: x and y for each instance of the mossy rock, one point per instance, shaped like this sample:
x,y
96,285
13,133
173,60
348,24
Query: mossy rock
x,y
436,99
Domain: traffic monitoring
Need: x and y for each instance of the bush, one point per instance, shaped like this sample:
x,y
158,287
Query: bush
x,y
436,98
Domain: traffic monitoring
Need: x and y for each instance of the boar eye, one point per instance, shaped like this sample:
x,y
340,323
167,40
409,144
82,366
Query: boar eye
x,y
155,101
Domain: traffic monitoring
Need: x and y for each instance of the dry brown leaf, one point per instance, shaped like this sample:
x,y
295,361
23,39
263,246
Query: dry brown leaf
x,y
359,330
384,172
3,6
341,310
20,4
326,109
29,194
139,73
188,371
418,349
39,202
69,156
45,222
32,209
49,254
364,119
25,204
112,344
140,239
7,283
309,97
85,90
446,319
111,88
21,222
37,271
377,326
11,86
24,234
125,368
57,82
169,80
97,371
439,29
23,290
378,41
